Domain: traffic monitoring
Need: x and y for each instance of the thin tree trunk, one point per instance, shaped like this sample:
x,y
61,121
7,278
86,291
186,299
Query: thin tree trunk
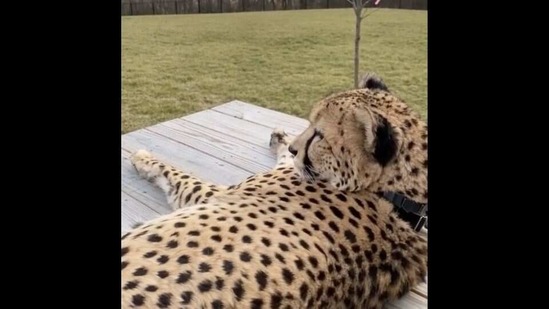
x,y
357,44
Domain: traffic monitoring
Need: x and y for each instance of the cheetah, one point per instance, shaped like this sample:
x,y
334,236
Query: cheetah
x,y
313,232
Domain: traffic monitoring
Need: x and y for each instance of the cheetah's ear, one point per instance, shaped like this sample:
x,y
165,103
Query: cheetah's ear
x,y
372,81
385,142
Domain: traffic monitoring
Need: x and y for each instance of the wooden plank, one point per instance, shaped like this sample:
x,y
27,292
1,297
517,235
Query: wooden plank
x,y
181,156
421,289
232,126
239,132
134,211
223,147
408,301
188,159
263,116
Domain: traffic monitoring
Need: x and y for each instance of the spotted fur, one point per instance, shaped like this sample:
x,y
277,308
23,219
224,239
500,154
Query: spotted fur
x,y
311,233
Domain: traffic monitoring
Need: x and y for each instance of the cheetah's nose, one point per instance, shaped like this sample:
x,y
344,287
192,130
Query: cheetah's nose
x,y
292,150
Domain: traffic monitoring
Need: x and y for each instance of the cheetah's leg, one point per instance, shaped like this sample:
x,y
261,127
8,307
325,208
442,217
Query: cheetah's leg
x,y
182,189
279,145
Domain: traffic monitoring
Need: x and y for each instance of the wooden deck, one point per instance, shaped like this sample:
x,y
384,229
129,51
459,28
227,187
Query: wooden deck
x,y
223,145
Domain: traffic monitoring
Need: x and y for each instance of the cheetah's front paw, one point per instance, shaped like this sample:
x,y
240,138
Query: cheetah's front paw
x,y
140,155
140,160
278,137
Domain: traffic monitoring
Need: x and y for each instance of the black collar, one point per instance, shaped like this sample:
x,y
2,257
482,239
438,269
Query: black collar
x,y
413,212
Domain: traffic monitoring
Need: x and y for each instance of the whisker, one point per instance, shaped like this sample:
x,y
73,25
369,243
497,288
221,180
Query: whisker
x,y
310,172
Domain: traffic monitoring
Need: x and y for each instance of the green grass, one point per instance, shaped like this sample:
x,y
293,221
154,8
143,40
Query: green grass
x,y
173,65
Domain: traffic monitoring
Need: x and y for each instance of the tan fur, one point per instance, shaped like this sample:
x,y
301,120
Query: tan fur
x,y
349,120
291,243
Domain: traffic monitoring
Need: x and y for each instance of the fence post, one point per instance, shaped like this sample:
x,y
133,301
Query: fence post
x,y
153,9
131,8
175,2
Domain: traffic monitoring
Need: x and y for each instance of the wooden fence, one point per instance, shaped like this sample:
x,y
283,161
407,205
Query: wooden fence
x,y
158,7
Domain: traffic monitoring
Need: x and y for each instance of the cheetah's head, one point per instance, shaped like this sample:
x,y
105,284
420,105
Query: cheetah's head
x,y
365,139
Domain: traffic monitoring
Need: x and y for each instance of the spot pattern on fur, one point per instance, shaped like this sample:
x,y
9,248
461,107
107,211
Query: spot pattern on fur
x,y
316,235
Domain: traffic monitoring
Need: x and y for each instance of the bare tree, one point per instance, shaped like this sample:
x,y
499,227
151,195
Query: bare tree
x,y
359,6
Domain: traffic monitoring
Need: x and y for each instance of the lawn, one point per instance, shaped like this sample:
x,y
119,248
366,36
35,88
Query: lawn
x,y
173,65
